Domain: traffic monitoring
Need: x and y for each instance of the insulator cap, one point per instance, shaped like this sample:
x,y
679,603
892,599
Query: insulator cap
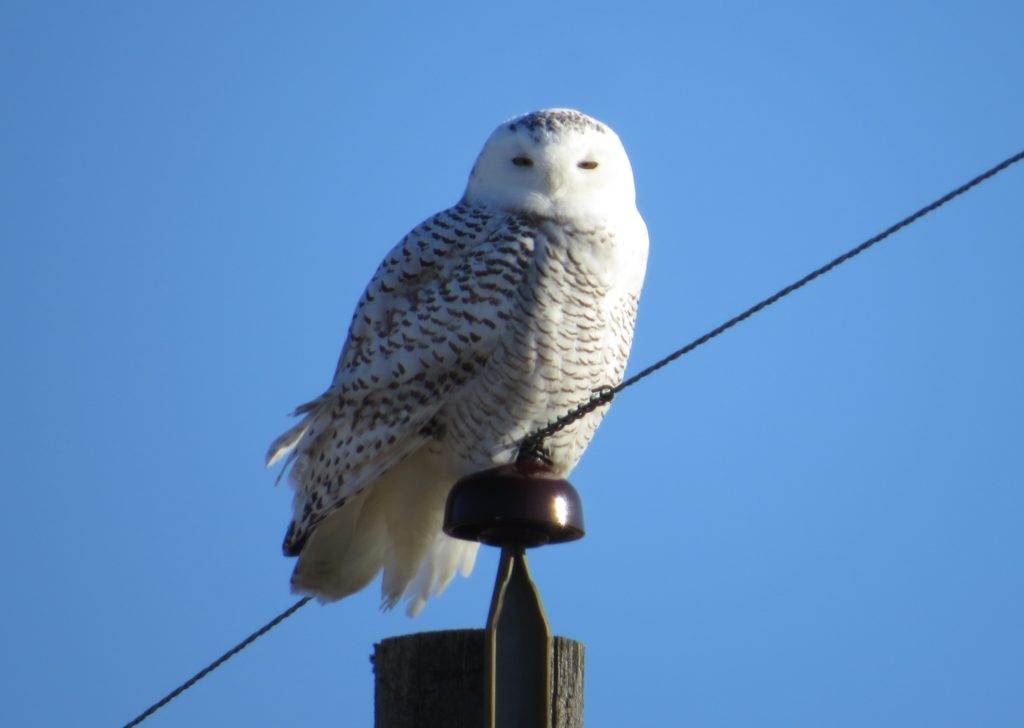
x,y
514,505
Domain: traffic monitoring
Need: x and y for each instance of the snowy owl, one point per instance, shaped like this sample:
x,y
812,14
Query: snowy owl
x,y
484,323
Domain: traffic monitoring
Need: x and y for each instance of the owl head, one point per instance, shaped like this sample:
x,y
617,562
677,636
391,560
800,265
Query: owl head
x,y
556,163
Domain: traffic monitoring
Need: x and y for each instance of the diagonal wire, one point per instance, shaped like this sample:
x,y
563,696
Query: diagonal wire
x,y
533,444
219,661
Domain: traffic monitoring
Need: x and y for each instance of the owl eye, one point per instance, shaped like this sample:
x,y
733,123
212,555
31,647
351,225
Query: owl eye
x,y
587,164
522,161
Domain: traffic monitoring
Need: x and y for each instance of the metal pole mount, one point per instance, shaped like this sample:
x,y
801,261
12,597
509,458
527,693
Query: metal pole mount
x,y
516,507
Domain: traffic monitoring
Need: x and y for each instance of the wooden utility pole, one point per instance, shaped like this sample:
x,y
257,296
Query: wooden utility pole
x,y
512,674
436,680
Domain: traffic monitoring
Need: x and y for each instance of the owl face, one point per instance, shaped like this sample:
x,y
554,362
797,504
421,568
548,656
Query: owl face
x,y
556,163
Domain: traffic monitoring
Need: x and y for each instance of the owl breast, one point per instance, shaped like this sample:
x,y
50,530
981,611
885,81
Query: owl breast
x,y
567,337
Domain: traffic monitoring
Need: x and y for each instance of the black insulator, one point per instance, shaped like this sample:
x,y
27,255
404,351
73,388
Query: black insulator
x,y
514,505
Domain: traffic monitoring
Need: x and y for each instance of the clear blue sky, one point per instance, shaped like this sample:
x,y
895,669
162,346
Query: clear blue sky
x,y
815,520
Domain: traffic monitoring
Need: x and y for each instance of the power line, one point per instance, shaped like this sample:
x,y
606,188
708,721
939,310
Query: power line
x,y
219,661
535,441
533,444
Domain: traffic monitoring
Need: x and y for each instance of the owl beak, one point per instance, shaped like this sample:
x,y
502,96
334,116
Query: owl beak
x,y
555,180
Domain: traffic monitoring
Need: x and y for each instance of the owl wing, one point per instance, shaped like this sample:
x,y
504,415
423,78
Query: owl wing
x,y
426,324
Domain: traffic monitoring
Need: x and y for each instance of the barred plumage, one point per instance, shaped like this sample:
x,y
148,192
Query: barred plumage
x,y
484,323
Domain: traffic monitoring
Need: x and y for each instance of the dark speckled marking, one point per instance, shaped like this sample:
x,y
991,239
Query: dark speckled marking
x,y
541,123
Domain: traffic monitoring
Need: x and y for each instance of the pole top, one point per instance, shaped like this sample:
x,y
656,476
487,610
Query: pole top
x,y
519,504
